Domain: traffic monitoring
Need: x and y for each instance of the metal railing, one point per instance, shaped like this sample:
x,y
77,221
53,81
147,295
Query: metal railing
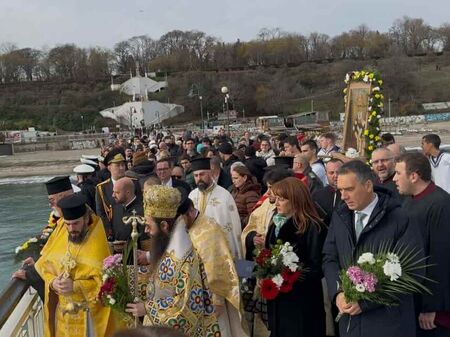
x,y
21,311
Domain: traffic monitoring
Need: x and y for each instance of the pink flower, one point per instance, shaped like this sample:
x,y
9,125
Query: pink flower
x,y
370,281
355,274
112,260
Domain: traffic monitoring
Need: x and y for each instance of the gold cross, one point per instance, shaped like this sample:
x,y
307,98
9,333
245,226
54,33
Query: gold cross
x,y
68,263
134,220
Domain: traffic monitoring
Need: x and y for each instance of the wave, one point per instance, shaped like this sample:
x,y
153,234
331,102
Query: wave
x,y
24,180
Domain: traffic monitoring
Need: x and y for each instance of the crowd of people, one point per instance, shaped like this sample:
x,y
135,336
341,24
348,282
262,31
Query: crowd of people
x,y
211,202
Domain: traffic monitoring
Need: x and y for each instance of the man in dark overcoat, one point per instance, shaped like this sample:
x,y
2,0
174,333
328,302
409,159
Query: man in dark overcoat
x,y
368,219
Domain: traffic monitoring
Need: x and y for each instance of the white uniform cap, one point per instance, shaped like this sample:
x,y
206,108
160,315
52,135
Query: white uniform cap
x,y
88,162
83,169
89,156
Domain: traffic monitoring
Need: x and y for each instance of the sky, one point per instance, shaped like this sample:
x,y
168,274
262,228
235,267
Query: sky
x,y
90,23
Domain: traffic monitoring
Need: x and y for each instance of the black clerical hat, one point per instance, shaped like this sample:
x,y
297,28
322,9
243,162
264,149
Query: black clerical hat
x,y
284,161
200,164
73,206
58,184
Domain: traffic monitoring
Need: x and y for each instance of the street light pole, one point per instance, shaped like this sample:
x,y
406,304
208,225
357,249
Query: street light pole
x,y
226,97
82,123
201,113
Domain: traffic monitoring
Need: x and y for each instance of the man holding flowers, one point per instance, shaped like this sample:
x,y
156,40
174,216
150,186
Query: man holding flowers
x,y
368,221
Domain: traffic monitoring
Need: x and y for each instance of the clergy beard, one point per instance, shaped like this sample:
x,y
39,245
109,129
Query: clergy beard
x,y
203,185
78,237
158,245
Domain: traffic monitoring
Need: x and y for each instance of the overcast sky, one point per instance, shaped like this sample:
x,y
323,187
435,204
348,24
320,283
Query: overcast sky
x,y
39,23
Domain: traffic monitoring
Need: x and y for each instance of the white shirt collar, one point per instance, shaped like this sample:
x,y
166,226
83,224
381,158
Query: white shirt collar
x,y
368,210
169,182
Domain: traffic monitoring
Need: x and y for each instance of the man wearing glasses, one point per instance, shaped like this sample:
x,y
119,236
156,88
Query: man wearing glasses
x,y
383,165
164,173
190,151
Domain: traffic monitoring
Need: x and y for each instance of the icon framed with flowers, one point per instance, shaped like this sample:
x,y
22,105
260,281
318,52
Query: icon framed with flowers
x,y
363,110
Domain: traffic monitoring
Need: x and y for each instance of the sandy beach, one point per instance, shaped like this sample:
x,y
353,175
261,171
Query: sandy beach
x,y
42,163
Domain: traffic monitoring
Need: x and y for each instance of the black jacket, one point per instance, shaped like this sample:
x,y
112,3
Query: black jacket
x,y
327,199
256,166
314,182
431,212
300,312
388,223
180,183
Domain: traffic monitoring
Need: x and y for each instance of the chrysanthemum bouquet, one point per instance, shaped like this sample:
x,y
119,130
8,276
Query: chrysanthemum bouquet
x,y
381,277
277,269
115,291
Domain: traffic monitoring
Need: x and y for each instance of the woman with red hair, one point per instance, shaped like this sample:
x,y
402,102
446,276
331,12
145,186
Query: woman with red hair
x,y
299,312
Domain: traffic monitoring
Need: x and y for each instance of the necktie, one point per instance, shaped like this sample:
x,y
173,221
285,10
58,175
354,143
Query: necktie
x,y
359,225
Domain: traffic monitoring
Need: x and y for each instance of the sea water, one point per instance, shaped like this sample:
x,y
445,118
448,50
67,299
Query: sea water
x,y
24,212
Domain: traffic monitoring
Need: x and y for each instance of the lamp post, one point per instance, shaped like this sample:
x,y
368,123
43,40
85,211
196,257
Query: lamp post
x,y
82,123
194,91
226,94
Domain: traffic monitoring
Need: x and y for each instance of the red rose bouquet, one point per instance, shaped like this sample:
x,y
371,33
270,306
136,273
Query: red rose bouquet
x,y
277,269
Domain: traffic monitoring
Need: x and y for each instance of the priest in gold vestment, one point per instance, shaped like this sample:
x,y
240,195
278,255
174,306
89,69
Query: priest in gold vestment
x,y
209,239
177,293
71,269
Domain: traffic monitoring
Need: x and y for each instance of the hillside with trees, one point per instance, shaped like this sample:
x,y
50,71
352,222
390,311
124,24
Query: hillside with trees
x,y
276,73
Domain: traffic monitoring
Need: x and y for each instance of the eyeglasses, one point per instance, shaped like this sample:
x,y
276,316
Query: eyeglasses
x,y
178,177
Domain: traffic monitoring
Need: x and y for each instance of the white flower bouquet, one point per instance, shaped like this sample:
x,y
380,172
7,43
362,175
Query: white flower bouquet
x,y
381,277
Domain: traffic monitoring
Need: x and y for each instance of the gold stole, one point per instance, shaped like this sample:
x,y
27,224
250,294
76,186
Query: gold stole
x,y
203,197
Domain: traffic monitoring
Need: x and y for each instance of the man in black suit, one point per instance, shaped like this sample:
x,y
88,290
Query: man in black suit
x,y
164,173
329,197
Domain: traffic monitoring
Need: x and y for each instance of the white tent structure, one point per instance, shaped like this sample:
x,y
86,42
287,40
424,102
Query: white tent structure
x,y
140,111
139,114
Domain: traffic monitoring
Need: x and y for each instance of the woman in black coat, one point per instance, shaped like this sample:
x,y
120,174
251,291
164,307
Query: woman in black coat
x,y
299,313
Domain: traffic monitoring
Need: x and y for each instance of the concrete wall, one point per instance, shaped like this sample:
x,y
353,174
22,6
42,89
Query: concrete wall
x,y
59,145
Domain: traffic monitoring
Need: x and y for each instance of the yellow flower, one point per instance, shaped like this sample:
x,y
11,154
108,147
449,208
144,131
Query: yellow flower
x,y
381,96
371,136
371,75
345,90
370,147
366,132
374,113
377,96
380,82
377,138
356,74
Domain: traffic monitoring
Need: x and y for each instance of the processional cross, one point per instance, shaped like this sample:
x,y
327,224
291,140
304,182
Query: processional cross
x,y
134,220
